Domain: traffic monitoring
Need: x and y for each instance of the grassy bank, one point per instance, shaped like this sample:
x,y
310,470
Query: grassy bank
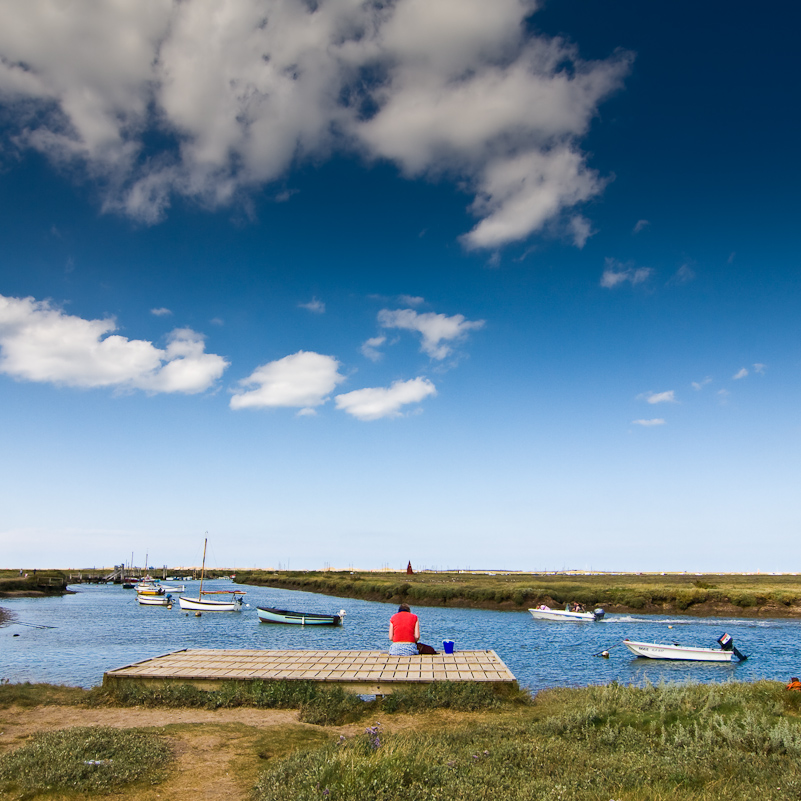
x,y
32,583
676,742
729,741
754,595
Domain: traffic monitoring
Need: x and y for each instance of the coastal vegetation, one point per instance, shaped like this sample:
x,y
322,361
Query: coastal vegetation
x,y
32,582
685,593
732,741
85,760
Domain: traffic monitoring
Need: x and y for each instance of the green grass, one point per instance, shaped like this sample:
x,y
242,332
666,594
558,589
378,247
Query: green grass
x,y
84,760
699,742
646,592
28,695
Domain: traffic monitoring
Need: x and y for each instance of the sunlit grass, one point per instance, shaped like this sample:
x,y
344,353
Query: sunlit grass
x,y
650,592
84,760
707,742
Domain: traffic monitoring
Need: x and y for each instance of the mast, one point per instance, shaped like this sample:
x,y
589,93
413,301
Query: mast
x,y
203,566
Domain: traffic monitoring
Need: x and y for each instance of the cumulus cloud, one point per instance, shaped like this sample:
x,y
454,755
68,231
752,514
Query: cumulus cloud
x,y
760,368
239,91
438,331
698,385
373,403
683,275
641,225
39,342
370,348
314,305
659,397
304,379
616,274
581,230
161,312
655,421
741,373
411,300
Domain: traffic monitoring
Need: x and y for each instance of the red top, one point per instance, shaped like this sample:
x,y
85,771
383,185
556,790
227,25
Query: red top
x,y
403,624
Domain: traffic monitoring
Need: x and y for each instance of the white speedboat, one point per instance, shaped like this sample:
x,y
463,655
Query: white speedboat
x,y
652,650
546,613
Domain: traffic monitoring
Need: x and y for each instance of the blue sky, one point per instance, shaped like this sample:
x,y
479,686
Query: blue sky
x,y
506,285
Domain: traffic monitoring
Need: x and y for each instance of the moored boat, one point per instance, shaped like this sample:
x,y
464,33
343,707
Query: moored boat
x,y
546,613
232,603
268,614
687,653
155,600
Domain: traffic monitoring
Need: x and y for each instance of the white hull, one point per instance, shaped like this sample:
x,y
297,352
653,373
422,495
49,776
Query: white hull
x,y
204,605
173,587
560,614
154,600
652,650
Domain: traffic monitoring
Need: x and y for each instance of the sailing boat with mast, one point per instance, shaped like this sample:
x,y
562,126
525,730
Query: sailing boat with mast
x,y
231,603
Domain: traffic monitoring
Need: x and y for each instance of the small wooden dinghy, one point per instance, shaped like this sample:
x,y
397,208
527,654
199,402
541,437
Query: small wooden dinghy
x,y
231,603
546,613
651,650
268,614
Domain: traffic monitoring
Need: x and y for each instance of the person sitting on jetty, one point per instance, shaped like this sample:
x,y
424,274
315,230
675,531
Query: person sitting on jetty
x,y
404,631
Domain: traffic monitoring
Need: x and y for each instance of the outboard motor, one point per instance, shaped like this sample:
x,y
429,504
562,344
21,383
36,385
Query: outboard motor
x,y
598,613
727,644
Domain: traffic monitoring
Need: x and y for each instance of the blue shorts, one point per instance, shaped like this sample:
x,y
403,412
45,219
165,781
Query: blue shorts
x,y
403,649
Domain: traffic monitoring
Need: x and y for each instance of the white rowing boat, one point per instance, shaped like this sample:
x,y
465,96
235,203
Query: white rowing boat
x,y
154,600
546,613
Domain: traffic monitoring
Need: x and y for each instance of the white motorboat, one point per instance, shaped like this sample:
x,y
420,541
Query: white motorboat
x,y
203,603
173,587
652,650
546,613
154,600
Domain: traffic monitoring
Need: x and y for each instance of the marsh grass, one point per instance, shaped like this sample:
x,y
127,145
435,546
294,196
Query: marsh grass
x,y
700,742
318,704
25,694
649,592
84,760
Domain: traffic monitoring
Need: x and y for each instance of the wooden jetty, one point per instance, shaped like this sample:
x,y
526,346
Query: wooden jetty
x,y
362,672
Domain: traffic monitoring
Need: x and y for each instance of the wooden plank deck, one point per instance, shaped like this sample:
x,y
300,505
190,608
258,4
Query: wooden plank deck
x,y
365,672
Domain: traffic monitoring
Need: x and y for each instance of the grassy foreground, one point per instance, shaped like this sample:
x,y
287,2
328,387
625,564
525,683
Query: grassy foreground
x,y
730,741
752,595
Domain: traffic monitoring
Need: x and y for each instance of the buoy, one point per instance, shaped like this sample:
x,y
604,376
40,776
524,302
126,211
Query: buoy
x,y
670,627
169,606
197,614
605,654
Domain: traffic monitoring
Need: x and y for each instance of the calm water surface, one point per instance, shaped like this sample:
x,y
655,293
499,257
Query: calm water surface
x,y
102,627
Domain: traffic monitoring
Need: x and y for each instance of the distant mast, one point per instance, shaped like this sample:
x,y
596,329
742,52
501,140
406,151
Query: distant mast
x,y
203,566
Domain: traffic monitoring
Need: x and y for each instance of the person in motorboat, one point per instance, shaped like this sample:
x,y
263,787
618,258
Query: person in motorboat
x,y
404,632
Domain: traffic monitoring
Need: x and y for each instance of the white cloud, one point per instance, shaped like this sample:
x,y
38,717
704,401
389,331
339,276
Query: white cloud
x,y
641,225
240,91
436,329
741,373
697,385
370,348
314,305
303,379
659,397
162,312
411,300
42,343
616,273
683,275
656,421
581,230
760,368
374,403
